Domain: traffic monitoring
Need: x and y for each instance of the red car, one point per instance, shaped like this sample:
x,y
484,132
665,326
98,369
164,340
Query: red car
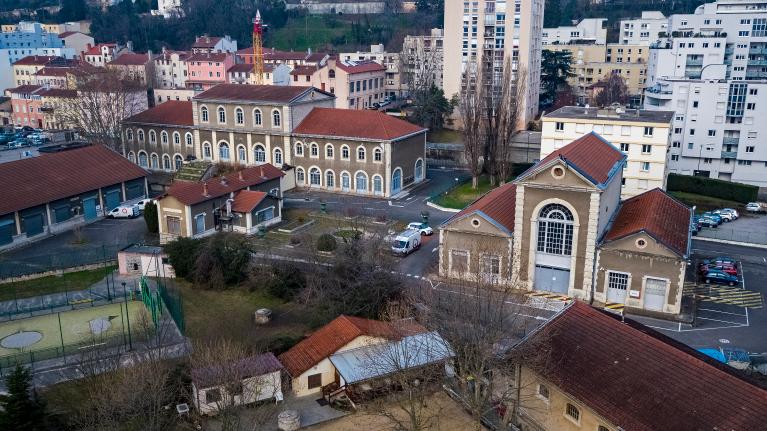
x,y
727,269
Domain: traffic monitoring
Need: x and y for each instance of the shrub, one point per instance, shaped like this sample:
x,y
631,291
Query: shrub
x,y
223,260
326,242
712,187
150,217
295,240
286,282
182,254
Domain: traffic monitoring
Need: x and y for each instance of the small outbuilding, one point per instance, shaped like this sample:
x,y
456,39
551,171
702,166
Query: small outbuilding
x,y
150,261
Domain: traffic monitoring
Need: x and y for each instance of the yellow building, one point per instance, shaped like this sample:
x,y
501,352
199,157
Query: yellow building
x,y
592,63
24,70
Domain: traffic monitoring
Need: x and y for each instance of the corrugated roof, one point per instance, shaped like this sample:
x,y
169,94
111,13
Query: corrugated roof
x,y
252,366
246,200
172,112
353,123
591,155
656,213
254,93
498,204
190,193
51,176
641,380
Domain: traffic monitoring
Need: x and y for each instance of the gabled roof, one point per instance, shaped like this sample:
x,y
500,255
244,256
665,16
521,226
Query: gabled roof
x,y
131,59
591,155
208,56
353,123
24,89
333,336
256,93
303,70
246,200
51,176
206,41
641,380
58,92
498,205
172,112
656,213
69,33
96,49
367,66
191,193
34,60
252,366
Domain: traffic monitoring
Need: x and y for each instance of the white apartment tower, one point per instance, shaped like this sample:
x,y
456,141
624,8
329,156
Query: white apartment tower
x,y
648,29
494,28
713,73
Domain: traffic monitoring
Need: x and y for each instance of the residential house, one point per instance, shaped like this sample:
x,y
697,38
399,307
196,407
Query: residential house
x,y
651,27
27,104
101,54
56,107
168,8
393,85
357,85
36,203
24,69
255,378
600,372
160,138
553,228
135,67
274,74
205,69
6,110
23,40
170,69
290,58
144,260
78,41
66,74
243,201
213,44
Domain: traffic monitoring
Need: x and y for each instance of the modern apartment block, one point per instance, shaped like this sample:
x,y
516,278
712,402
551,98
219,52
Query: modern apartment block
x,y
642,135
422,57
393,86
489,31
590,30
648,29
713,73
25,39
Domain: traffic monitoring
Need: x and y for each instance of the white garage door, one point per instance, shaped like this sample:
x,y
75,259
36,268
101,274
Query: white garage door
x,y
617,284
655,294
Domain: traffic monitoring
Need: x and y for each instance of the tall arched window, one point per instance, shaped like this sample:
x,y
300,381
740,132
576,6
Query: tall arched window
x,y
331,73
152,137
555,230
345,181
300,176
155,161
396,181
276,119
132,157
277,156
129,134
189,139
330,179
140,135
166,162
361,182
242,154
377,185
314,177
314,150
345,152
164,137
204,114
418,170
299,149
176,138
239,116
256,117
377,155
206,152
259,154
329,153
361,154
178,161
223,151
221,115
142,160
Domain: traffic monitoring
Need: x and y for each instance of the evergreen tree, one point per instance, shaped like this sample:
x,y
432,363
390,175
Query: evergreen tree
x,y
150,217
18,410
73,10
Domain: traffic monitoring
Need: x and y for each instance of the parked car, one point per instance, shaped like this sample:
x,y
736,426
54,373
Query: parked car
x,y
726,268
142,203
732,211
124,211
424,228
717,218
726,214
720,277
406,242
707,221
719,260
755,207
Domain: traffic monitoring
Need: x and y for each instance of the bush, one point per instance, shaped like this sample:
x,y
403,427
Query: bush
x,y
712,187
295,240
286,282
150,217
326,242
223,260
182,254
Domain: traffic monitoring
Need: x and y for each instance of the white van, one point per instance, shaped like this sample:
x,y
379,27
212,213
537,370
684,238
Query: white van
x,y
406,242
124,211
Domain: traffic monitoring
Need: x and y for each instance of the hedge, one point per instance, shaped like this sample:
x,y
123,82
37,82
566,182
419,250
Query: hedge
x,y
712,187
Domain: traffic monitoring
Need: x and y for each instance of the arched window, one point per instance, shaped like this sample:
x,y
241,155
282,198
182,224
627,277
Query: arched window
x,y
329,153
155,161
132,157
418,169
377,185
152,137
314,150
256,117
377,155
178,161
259,154
142,159
299,149
345,152
129,134
189,139
239,116
555,230
277,156
330,179
360,154
176,138
204,114
331,73
223,151
166,162
276,120
300,176
206,152
361,182
314,177
221,115
396,181
242,154
345,181
164,137
140,134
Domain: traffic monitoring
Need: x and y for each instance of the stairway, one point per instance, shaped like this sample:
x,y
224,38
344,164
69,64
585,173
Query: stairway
x,y
193,171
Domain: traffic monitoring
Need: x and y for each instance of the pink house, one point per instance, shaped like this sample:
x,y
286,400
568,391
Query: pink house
x,y
26,105
208,69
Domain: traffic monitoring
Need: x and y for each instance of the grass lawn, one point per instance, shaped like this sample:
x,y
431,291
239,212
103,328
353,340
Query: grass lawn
x,y
445,136
463,195
705,203
53,284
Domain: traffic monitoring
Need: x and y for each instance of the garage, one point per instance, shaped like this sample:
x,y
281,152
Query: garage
x,y
112,199
655,294
33,223
134,190
89,208
550,279
7,229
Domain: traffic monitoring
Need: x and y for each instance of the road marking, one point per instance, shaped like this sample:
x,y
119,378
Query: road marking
x,y
722,312
398,206
720,321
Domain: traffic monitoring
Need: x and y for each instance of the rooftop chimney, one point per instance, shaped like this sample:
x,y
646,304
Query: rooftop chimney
x,y
205,189
239,175
261,170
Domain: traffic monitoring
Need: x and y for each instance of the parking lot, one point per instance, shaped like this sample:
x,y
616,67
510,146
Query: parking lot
x,y
749,228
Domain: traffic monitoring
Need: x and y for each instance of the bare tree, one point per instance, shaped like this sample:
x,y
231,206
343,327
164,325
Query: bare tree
x,y
419,66
614,90
472,105
504,111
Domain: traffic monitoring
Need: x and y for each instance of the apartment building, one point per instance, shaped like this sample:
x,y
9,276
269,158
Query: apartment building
x,y
206,69
135,66
356,84
643,136
589,30
24,69
170,69
650,28
491,31
274,74
422,58
211,44
393,85
102,53
290,58
23,40
712,72
76,40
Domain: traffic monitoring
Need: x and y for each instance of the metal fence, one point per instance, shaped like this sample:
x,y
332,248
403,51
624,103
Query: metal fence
x,y
737,235
17,263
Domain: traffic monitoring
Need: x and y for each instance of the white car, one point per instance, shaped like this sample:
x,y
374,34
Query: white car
x,y
754,207
142,203
421,227
124,211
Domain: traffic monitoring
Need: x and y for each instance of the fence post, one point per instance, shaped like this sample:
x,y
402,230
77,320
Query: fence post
x,y
127,317
61,335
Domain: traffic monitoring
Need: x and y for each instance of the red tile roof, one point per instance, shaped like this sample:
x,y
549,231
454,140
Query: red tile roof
x,y
96,49
252,366
246,200
641,380
68,33
303,70
254,93
352,123
206,41
333,336
591,155
656,213
58,92
209,56
24,89
130,59
241,67
48,177
172,112
35,60
190,193
498,204
368,66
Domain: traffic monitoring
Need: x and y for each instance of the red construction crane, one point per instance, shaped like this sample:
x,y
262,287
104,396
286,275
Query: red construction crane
x,y
258,49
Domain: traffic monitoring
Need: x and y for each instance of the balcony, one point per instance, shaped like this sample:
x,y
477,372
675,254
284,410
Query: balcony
x,y
727,140
729,154
761,62
758,50
694,62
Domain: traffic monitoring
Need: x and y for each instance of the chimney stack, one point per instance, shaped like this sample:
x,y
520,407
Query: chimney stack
x,y
239,175
205,189
262,171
